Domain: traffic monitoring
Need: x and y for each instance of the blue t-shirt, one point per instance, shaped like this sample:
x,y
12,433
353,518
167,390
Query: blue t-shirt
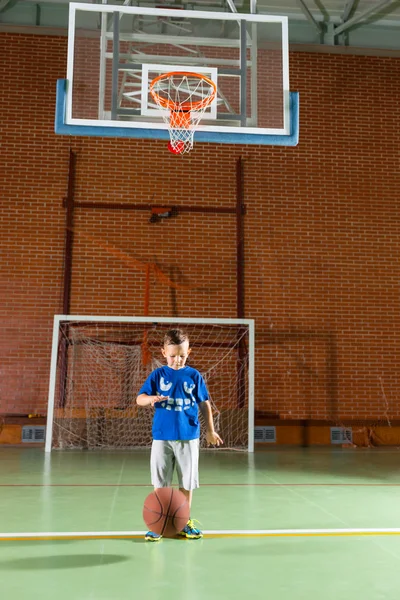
x,y
176,418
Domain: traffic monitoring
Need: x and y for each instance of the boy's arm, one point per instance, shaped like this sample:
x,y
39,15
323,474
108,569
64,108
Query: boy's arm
x,y
145,400
211,435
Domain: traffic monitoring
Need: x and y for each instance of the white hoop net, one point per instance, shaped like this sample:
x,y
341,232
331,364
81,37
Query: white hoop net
x,y
183,98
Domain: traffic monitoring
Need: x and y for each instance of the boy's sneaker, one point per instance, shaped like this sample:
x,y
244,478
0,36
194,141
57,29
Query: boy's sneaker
x,y
190,531
152,537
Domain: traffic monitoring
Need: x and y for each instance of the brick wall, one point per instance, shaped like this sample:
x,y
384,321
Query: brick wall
x,y
321,234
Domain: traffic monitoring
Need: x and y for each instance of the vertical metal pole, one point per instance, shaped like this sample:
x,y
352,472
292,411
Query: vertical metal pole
x,y
243,73
52,385
69,234
254,69
251,387
242,350
115,63
102,74
254,76
285,67
239,240
69,240
70,61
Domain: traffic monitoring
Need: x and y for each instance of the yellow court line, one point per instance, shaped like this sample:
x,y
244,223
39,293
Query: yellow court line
x,y
310,534
37,537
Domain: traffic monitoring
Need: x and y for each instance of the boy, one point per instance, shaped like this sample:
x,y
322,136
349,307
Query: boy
x,y
177,391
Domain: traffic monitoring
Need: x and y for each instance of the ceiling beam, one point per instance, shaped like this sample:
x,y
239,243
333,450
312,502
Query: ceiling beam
x,y
362,16
348,9
6,5
310,16
232,6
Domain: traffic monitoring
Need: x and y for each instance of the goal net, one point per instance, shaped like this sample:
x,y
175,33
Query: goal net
x,y
99,365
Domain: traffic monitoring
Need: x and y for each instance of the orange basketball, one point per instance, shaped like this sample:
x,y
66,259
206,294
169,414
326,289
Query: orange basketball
x,y
166,511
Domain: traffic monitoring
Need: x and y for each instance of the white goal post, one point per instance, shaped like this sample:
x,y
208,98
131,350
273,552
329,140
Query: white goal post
x,y
99,363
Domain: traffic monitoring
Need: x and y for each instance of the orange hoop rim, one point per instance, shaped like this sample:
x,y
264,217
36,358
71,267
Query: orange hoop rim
x,y
184,106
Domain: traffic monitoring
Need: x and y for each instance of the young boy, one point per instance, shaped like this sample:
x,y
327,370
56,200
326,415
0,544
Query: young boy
x,y
177,391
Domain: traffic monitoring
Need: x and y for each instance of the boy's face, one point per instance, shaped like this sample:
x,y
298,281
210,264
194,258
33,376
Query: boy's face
x,y
176,355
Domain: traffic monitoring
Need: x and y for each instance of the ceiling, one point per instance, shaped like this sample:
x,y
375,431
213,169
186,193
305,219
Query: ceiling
x,y
362,26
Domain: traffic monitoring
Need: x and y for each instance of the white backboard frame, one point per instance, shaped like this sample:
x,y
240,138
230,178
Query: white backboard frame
x,y
109,123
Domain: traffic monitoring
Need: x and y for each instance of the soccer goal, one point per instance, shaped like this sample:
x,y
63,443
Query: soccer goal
x,y
98,365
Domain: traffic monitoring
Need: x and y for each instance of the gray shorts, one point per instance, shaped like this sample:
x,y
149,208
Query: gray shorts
x,y
182,455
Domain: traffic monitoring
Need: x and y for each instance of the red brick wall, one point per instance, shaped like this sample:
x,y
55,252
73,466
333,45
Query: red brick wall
x,y
321,234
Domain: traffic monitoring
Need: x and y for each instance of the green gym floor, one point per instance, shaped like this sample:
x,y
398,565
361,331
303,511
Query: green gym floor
x,y
290,524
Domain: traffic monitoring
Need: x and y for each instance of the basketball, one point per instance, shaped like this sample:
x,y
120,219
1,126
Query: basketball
x,y
166,511
176,148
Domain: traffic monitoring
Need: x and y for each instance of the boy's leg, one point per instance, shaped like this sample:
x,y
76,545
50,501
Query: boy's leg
x,y
187,468
187,465
162,462
188,494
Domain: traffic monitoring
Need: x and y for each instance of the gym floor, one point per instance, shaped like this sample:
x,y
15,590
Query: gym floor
x,y
291,524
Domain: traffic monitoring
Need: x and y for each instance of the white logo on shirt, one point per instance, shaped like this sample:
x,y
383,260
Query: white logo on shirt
x,y
188,388
179,403
164,385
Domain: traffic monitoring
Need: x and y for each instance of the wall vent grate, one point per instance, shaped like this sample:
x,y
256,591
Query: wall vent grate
x,y
341,435
33,434
265,434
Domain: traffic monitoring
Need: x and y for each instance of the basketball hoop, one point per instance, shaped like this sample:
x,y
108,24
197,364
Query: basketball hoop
x,y
185,96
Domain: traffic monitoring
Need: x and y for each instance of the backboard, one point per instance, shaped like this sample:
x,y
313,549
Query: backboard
x,y
114,52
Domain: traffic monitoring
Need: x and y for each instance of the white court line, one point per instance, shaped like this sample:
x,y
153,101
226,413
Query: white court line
x,y
88,535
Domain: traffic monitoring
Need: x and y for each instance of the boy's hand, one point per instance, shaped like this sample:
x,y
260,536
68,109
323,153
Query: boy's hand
x,y
155,399
213,438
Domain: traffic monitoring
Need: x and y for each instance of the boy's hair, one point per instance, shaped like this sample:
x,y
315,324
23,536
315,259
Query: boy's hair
x,y
175,337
